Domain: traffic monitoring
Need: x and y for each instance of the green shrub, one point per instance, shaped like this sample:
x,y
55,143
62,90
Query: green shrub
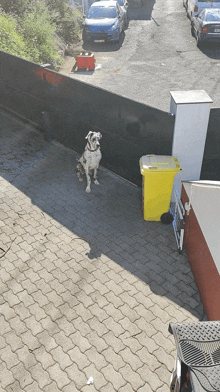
x,y
10,40
38,31
27,28
68,19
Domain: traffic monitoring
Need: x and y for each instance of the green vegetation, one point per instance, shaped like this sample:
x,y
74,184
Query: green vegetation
x,y
28,28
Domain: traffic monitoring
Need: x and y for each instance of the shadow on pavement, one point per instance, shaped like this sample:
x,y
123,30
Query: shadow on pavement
x,y
140,10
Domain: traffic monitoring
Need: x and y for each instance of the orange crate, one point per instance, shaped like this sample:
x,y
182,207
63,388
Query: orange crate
x,y
86,60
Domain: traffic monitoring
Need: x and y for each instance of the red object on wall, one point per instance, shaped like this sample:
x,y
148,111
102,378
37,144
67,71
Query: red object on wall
x,y
202,264
86,60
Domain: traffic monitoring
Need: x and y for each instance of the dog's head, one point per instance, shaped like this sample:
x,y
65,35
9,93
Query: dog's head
x,y
93,140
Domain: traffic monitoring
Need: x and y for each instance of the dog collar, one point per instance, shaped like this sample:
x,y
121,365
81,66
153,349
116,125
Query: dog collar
x,y
92,150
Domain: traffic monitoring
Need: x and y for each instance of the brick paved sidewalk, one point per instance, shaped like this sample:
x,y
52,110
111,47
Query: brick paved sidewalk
x,y
87,287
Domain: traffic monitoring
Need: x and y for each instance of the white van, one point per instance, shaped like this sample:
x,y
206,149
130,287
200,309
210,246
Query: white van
x,y
193,7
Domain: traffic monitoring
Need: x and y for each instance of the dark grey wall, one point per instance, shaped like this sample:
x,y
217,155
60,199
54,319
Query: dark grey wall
x,y
66,110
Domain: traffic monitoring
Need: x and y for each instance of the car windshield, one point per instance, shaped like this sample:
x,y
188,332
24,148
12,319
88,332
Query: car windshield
x,y
102,12
213,16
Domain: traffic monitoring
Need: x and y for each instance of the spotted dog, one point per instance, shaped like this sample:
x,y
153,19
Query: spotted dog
x,y
90,159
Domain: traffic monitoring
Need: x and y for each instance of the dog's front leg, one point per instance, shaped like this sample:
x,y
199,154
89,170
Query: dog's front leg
x,y
95,176
88,189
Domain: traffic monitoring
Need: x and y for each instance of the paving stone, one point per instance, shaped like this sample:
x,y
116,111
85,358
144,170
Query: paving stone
x,y
9,357
163,375
26,356
83,343
98,326
11,298
150,378
33,325
48,341
127,325
114,359
40,375
147,342
127,388
7,377
50,325
98,286
52,311
17,325
45,358
129,312
13,387
5,326
74,374
7,311
99,313
98,378
165,358
132,343
30,340
82,360
66,326
22,375
61,357
114,342
113,377
52,387
132,377
71,387
13,340
96,341
130,358
29,286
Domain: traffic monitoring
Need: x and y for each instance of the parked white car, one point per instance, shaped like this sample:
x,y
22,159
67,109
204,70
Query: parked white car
x,y
193,7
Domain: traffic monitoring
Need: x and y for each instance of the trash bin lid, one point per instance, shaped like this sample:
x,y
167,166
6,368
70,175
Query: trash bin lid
x,y
198,346
159,163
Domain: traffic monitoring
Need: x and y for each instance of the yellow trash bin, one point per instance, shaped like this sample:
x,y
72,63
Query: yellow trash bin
x,y
158,173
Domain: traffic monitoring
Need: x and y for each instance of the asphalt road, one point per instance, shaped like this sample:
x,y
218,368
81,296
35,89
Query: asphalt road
x,y
156,55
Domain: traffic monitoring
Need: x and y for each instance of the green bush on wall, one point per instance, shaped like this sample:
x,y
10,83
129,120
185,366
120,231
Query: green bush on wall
x,y
28,27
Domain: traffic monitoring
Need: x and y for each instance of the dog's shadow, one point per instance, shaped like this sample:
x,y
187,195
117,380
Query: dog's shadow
x,y
93,253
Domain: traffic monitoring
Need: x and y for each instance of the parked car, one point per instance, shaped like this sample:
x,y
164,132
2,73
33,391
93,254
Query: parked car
x,y
124,5
104,22
193,7
206,26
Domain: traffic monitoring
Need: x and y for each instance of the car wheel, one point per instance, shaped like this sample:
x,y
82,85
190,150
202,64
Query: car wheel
x,y
198,41
117,40
126,23
84,37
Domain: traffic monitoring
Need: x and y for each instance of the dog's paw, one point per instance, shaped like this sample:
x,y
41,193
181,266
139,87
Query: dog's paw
x,y
88,190
96,182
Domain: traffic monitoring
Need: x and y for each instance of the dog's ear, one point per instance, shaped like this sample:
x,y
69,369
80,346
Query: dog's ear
x,y
89,134
100,135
